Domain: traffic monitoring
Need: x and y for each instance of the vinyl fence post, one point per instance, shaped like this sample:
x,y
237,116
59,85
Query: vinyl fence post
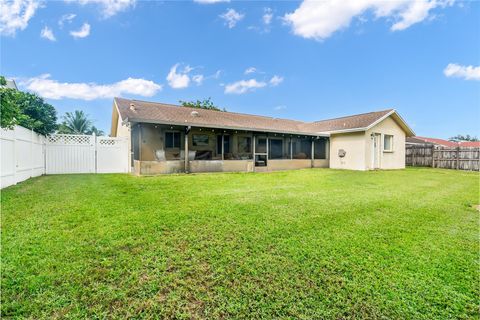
x,y
94,137
31,153
15,155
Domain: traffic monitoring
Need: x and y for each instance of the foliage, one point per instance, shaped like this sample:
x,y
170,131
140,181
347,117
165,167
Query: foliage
x,y
460,137
304,244
27,110
9,112
3,81
78,123
97,131
201,104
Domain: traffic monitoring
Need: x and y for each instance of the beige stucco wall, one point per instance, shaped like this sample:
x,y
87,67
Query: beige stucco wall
x,y
387,160
123,130
354,146
321,163
285,164
221,166
359,148
158,167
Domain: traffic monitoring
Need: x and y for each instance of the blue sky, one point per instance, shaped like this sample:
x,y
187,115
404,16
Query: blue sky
x,y
299,60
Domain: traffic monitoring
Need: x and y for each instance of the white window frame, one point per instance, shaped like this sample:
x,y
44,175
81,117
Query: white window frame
x,y
391,143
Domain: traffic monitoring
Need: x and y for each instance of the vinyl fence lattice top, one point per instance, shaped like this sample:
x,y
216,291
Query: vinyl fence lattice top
x,y
70,139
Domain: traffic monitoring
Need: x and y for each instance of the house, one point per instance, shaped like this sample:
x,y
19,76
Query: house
x,y
10,84
167,138
441,142
429,141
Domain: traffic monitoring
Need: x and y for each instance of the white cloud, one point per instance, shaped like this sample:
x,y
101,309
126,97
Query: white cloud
x,y
83,32
109,7
210,1
231,17
276,80
66,18
179,80
53,89
250,70
217,74
464,72
14,15
244,86
281,107
198,79
267,16
320,19
47,33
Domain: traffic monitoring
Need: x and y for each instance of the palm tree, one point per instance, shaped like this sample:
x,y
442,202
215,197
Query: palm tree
x,y
76,123
97,131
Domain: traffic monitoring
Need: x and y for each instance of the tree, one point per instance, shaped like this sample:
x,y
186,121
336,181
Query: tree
x,y
460,137
97,131
27,110
203,104
3,81
77,122
9,111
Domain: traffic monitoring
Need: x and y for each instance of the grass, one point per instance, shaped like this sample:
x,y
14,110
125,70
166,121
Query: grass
x,y
301,244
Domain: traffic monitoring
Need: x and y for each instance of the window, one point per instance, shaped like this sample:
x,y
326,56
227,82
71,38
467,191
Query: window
x,y
172,139
388,143
200,140
320,149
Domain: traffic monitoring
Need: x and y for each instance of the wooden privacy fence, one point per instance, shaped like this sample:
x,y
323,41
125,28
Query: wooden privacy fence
x,y
427,155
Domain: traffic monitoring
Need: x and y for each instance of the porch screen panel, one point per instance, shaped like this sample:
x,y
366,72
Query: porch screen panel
x,y
279,148
302,148
320,149
240,147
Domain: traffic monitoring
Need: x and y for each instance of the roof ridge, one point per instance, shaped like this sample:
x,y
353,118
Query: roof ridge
x,y
353,115
222,112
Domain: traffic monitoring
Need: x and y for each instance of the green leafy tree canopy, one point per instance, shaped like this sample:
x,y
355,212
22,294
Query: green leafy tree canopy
x,y
202,104
27,110
460,137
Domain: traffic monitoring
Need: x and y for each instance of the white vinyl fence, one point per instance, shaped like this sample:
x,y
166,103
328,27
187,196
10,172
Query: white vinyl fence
x,y
26,154
22,155
67,153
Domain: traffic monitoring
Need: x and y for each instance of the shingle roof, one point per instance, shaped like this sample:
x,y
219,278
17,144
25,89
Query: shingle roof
x,y
440,142
350,122
143,111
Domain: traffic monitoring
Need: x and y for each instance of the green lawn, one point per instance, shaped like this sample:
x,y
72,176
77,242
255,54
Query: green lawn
x,y
303,244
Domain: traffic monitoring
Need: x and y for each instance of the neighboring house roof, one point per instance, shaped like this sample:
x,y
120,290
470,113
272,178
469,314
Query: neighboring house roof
x,y
469,144
153,112
416,140
10,84
440,142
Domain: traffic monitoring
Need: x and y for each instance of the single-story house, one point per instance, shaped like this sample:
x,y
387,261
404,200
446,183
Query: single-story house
x,y
416,140
441,142
167,138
